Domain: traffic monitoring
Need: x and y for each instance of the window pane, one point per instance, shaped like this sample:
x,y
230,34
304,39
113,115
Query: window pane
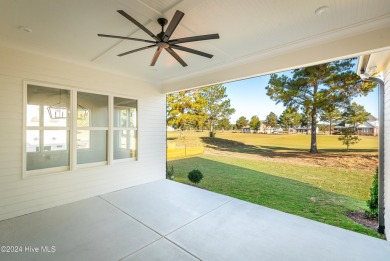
x,y
92,110
83,139
83,119
54,152
52,103
125,144
32,140
133,117
125,113
97,150
55,140
32,115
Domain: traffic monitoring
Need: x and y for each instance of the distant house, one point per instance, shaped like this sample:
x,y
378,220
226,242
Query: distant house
x,y
246,129
263,128
304,130
276,130
292,130
368,128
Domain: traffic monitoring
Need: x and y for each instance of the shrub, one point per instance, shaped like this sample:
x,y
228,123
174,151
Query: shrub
x,y
195,176
373,201
170,172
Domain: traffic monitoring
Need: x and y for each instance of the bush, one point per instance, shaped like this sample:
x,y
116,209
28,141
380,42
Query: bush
x,y
195,176
373,201
212,134
170,172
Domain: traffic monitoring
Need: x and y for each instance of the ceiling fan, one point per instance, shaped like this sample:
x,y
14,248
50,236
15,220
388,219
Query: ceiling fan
x,y
162,40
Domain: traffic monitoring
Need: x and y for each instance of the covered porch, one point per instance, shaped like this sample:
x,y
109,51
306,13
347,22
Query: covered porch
x,y
110,208
177,222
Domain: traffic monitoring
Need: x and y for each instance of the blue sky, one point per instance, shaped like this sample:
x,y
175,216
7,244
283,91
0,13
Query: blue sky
x,y
249,98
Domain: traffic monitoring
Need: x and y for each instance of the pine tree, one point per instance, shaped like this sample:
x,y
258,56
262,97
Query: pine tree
x,y
316,87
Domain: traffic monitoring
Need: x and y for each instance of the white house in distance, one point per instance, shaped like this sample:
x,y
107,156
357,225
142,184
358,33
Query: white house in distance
x,y
368,128
78,121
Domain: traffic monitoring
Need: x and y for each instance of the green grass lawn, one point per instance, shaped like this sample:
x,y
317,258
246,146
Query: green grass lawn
x,y
317,192
282,143
322,194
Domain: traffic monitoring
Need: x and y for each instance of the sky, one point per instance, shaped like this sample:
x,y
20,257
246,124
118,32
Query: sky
x,y
249,98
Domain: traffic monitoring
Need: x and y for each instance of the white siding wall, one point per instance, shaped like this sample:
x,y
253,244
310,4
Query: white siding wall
x,y
20,196
386,77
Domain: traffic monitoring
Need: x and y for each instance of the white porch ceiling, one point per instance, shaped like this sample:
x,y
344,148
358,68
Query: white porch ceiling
x,y
67,30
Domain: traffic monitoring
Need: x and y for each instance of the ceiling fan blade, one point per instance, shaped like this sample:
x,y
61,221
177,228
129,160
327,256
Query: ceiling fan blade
x,y
143,28
176,56
136,50
125,38
194,38
189,50
172,25
156,55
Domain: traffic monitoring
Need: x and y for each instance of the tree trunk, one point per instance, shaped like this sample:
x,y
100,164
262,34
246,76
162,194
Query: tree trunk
x,y
313,145
330,127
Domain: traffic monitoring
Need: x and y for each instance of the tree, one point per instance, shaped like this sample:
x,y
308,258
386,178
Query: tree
x,y
179,106
330,114
316,87
254,123
217,106
305,120
323,127
198,112
271,120
355,114
289,118
224,124
241,122
348,137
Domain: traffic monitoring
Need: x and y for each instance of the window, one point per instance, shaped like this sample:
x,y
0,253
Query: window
x,y
62,125
125,128
47,128
92,128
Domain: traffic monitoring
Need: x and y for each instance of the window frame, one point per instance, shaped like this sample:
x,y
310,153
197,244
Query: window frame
x,y
72,131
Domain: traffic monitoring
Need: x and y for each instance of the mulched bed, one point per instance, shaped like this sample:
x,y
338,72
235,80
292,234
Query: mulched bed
x,y
362,218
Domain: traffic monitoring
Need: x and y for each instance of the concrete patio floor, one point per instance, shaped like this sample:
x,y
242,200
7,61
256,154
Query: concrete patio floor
x,y
165,220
